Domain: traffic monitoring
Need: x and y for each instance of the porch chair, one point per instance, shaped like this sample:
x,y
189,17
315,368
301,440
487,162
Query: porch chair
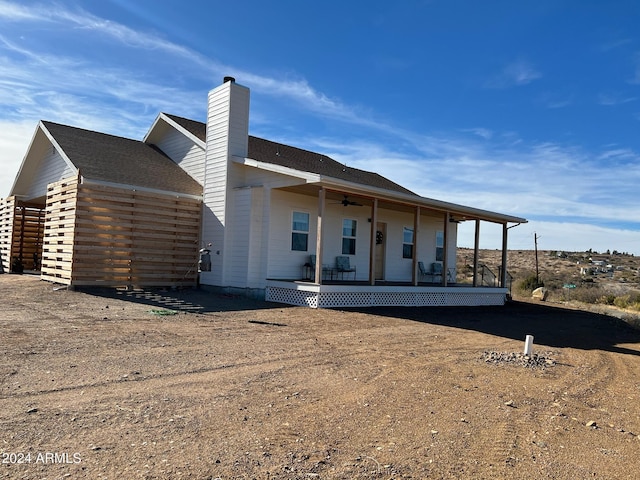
x,y
434,271
422,271
327,271
343,266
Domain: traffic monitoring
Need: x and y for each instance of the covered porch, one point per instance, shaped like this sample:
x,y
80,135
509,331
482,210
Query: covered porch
x,y
424,238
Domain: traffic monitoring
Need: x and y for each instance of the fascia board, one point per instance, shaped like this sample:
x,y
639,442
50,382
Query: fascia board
x,y
291,172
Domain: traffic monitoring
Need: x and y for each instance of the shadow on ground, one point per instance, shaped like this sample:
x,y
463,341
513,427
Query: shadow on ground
x,y
191,300
552,326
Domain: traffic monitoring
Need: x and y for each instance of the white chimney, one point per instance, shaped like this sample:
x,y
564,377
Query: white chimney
x,y
227,136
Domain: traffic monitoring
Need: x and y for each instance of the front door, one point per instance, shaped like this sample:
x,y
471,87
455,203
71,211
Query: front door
x,y
381,240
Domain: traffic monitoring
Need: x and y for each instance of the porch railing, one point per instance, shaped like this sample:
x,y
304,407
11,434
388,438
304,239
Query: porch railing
x,y
490,279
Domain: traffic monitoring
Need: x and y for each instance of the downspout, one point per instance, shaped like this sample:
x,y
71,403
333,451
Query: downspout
x,y
503,274
476,251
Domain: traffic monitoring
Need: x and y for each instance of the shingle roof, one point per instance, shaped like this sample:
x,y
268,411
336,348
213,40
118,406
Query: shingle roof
x,y
121,160
306,161
299,159
198,129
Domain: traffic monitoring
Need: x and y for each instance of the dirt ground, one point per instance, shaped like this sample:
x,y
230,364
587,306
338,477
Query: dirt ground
x,y
108,385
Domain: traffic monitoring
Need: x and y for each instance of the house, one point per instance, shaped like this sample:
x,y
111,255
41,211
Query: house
x,y
105,210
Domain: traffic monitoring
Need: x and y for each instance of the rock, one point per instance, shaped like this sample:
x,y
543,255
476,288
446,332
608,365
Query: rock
x,y
540,293
592,424
32,410
534,361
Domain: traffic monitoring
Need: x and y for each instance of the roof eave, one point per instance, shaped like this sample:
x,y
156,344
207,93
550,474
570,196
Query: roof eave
x,y
468,213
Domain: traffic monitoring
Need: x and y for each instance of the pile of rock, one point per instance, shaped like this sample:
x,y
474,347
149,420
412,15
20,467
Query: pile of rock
x,y
528,361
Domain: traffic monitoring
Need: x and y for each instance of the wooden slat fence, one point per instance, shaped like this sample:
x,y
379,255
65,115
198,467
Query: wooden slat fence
x,y
102,235
21,233
6,232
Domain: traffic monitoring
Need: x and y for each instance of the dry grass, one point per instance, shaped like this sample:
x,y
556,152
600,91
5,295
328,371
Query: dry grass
x,y
617,291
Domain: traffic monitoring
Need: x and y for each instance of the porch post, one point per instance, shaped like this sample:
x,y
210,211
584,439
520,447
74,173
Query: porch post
x,y
321,200
416,229
503,273
372,243
445,249
476,248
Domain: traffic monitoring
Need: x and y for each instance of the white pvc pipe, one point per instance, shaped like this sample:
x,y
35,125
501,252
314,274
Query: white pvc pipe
x,y
528,345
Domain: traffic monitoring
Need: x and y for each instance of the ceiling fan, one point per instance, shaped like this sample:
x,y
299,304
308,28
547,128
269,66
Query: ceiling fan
x,y
346,202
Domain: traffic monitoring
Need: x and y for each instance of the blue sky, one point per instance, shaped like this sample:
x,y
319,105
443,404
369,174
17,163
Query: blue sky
x,y
530,108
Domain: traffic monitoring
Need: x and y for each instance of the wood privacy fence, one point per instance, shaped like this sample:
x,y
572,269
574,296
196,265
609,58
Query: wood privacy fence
x,y
104,235
6,232
21,234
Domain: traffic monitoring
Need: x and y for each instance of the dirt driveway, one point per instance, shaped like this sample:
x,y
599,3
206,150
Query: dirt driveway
x,y
105,385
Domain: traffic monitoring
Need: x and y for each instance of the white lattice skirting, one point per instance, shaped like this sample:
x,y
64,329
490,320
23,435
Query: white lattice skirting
x,y
330,296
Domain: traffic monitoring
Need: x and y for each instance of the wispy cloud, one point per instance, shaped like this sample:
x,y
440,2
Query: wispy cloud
x,y
515,74
614,44
635,78
488,169
480,132
613,99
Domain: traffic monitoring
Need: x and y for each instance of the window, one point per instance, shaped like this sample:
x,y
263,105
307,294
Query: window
x,y
349,236
407,243
439,246
300,231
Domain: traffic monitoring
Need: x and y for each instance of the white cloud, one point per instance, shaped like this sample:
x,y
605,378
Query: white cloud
x,y
566,236
14,141
613,99
481,132
517,73
499,171
16,12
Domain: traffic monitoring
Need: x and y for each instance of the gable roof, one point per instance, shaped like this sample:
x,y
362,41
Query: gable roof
x,y
197,129
108,158
295,158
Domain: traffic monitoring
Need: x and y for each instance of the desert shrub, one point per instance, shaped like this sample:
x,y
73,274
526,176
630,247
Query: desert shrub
x,y
622,301
629,301
529,284
607,299
588,294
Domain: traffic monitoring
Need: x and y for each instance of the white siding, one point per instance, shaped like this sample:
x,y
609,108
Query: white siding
x,y
239,238
52,169
183,151
396,267
284,263
257,269
332,236
287,264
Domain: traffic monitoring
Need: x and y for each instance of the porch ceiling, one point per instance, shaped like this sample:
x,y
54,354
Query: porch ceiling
x,y
405,204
